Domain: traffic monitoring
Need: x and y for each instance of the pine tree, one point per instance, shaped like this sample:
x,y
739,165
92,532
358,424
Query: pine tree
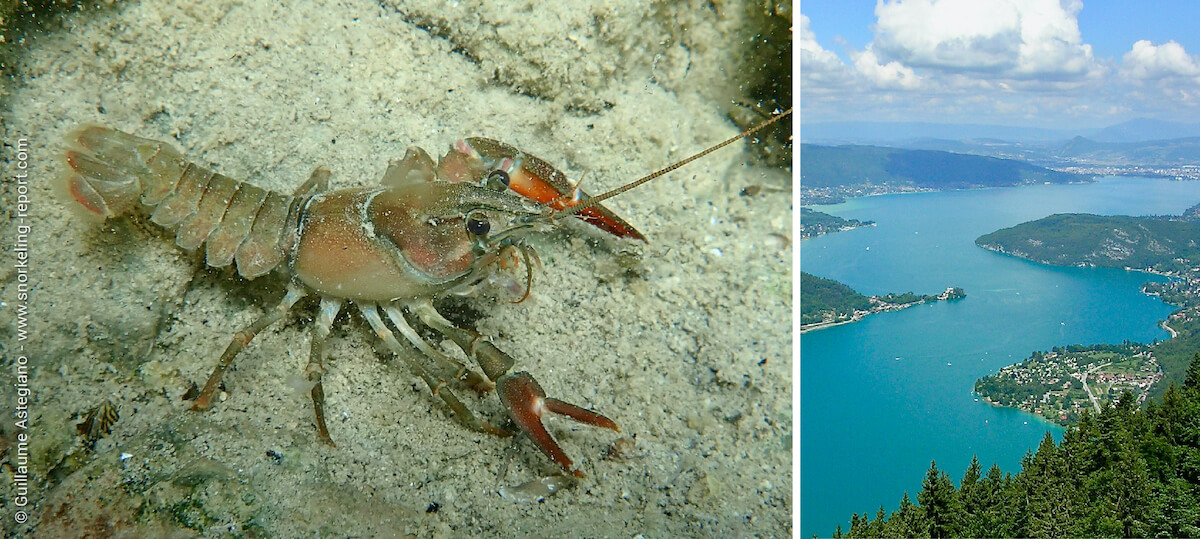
x,y
876,525
943,508
999,514
971,476
907,521
863,527
975,492
1180,515
1192,379
1123,472
1119,490
1017,490
1179,421
1050,490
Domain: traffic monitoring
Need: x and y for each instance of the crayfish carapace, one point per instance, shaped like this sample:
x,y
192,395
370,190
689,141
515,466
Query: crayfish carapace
x,y
427,230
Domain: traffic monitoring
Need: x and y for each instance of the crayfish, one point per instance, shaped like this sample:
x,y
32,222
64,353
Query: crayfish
x,y
428,230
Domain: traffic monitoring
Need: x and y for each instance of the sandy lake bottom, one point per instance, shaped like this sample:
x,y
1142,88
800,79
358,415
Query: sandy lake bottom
x,y
685,341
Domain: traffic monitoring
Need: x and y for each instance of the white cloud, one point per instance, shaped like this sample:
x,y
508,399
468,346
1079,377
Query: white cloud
x,y
1004,61
820,69
891,75
823,71
1015,39
1167,61
1162,77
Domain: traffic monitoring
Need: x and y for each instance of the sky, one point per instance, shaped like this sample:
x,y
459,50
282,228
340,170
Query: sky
x,y
1036,63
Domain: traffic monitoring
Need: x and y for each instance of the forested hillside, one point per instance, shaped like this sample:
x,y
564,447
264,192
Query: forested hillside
x,y
1125,472
825,302
1104,241
814,223
838,166
1179,151
819,297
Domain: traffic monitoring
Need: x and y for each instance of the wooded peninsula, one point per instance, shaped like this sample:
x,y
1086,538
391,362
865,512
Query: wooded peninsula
x,y
825,302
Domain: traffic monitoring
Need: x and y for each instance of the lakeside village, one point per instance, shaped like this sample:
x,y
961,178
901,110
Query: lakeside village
x,y
1058,385
814,223
839,193
1178,172
882,304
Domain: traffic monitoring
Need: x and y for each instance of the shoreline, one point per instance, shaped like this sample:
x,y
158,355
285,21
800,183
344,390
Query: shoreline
x,y
879,306
823,325
1162,323
913,190
1148,271
1041,418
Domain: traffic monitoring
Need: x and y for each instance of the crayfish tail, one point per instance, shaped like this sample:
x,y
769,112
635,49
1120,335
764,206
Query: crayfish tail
x,y
98,188
111,173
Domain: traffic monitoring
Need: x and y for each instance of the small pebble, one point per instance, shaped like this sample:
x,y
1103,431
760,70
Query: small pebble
x,y
536,490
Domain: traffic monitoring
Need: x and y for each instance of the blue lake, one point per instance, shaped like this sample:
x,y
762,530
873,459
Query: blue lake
x,y
883,397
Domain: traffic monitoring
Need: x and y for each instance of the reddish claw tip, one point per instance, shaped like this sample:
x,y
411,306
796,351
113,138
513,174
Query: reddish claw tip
x,y
526,402
580,414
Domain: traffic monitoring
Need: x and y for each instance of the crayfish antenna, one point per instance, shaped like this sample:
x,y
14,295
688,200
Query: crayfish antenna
x,y
670,168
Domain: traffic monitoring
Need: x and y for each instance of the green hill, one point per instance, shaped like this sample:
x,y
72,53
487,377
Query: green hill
x,y
819,297
814,223
841,166
1104,241
1180,151
828,301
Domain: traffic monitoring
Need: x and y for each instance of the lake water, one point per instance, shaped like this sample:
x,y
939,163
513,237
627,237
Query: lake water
x,y
883,397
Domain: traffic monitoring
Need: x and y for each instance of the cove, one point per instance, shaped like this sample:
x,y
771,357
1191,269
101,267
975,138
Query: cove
x,y
881,398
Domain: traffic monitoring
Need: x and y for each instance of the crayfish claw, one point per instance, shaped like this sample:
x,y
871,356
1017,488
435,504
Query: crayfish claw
x,y
582,415
526,402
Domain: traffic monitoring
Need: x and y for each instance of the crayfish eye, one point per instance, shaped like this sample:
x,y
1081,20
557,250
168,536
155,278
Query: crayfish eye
x,y
478,225
498,180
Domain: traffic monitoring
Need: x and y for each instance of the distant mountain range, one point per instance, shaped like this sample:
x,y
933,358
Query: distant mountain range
x,y
891,133
1170,152
1136,142
839,166
1144,130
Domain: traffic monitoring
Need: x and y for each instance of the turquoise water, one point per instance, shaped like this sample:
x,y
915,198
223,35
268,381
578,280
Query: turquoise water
x,y
883,397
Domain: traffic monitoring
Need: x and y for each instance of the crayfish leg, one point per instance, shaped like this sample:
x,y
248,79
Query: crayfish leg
x,y
454,369
240,340
315,369
494,362
370,311
520,393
